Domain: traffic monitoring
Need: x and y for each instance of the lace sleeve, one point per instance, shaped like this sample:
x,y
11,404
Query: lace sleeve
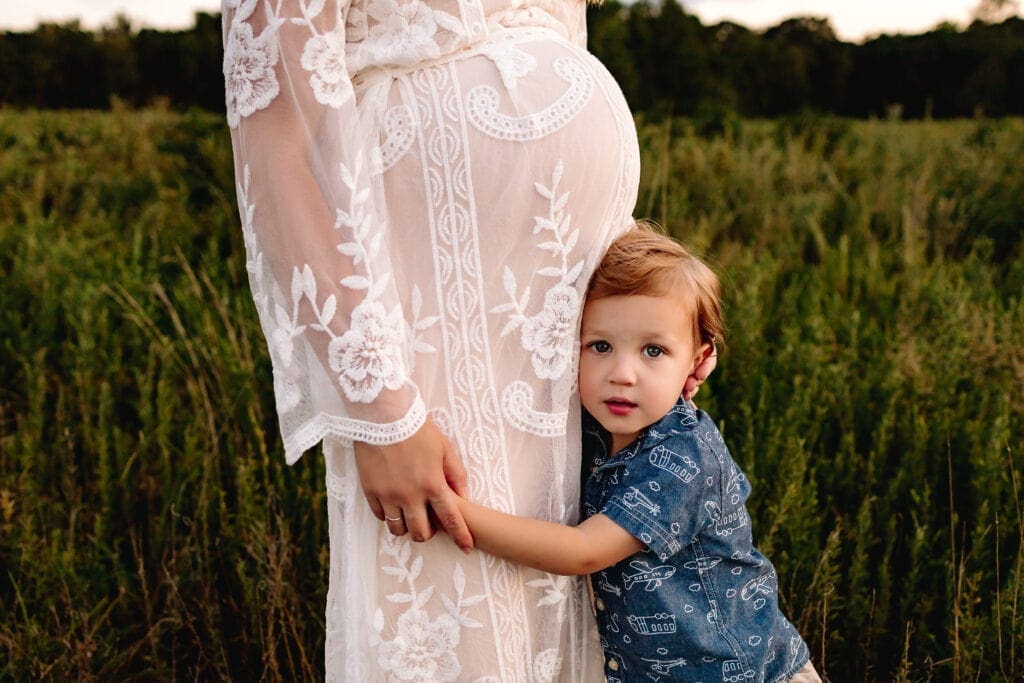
x,y
315,227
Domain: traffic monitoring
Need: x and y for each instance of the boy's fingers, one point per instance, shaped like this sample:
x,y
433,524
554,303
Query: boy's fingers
x,y
455,472
690,388
448,514
707,366
700,373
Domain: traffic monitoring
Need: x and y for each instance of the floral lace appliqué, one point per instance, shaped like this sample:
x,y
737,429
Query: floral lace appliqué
x,y
287,392
372,354
368,356
512,63
250,83
550,334
423,649
324,57
287,389
401,32
546,665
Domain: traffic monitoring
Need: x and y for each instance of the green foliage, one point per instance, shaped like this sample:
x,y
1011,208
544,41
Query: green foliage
x,y
871,381
62,66
870,387
667,62
149,527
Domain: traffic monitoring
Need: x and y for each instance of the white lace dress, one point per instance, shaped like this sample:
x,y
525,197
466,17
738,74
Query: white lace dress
x,y
424,189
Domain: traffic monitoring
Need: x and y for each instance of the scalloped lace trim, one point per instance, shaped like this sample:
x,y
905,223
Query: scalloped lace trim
x,y
516,404
350,429
482,103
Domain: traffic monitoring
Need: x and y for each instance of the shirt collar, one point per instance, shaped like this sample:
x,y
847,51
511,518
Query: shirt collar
x,y
682,417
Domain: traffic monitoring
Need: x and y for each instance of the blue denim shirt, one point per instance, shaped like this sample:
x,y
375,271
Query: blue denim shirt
x,y
699,603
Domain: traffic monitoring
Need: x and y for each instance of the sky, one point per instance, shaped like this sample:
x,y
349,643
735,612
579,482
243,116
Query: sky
x,y
852,20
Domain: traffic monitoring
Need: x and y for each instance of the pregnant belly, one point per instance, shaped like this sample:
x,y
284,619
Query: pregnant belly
x,y
523,157
506,176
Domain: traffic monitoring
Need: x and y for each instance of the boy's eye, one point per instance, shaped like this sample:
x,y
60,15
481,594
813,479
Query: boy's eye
x,y
653,351
600,346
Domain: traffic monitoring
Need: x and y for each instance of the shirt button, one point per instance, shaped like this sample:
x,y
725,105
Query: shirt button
x,y
613,665
599,604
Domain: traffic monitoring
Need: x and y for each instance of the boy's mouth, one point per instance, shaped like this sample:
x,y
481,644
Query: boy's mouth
x,y
619,406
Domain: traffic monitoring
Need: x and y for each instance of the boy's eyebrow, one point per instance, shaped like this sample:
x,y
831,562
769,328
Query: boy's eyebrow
x,y
652,336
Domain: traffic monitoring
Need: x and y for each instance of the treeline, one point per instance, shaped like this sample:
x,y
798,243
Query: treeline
x,y
65,66
666,60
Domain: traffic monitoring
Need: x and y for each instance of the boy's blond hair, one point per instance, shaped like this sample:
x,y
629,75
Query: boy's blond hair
x,y
646,262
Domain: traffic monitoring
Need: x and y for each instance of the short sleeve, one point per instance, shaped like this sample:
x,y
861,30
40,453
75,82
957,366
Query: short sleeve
x,y
315,227
662,496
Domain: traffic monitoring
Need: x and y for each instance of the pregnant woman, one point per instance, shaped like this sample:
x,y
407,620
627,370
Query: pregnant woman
x,y
425,188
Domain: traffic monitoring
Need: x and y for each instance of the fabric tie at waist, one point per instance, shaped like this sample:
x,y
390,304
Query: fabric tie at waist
x,y
369,78
373,84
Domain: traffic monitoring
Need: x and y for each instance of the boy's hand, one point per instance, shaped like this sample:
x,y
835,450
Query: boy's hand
x,y
461,503
701,373
411,485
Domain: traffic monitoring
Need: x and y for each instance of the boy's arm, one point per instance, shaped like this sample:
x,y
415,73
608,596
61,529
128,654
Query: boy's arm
x,y
593,545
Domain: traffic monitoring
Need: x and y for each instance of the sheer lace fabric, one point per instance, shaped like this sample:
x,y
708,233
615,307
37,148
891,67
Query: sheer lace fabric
x,y
424,189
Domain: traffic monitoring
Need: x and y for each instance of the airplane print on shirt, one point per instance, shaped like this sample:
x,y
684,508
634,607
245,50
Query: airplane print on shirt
x,y
699,602
650,577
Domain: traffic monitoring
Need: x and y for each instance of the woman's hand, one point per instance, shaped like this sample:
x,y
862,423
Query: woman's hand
x,y
700,373
405,482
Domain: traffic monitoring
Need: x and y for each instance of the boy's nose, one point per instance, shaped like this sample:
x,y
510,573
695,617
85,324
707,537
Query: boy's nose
x,y
622,372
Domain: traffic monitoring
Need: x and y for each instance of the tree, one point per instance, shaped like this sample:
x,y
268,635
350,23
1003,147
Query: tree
x,y
995,11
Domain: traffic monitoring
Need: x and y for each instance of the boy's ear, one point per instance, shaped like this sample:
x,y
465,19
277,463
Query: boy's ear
x,y
702,354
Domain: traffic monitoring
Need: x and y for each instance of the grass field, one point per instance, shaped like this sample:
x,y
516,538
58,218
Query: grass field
x,y
872,388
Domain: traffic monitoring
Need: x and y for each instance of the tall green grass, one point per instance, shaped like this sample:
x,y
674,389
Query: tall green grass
x,y
872,387
150,528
